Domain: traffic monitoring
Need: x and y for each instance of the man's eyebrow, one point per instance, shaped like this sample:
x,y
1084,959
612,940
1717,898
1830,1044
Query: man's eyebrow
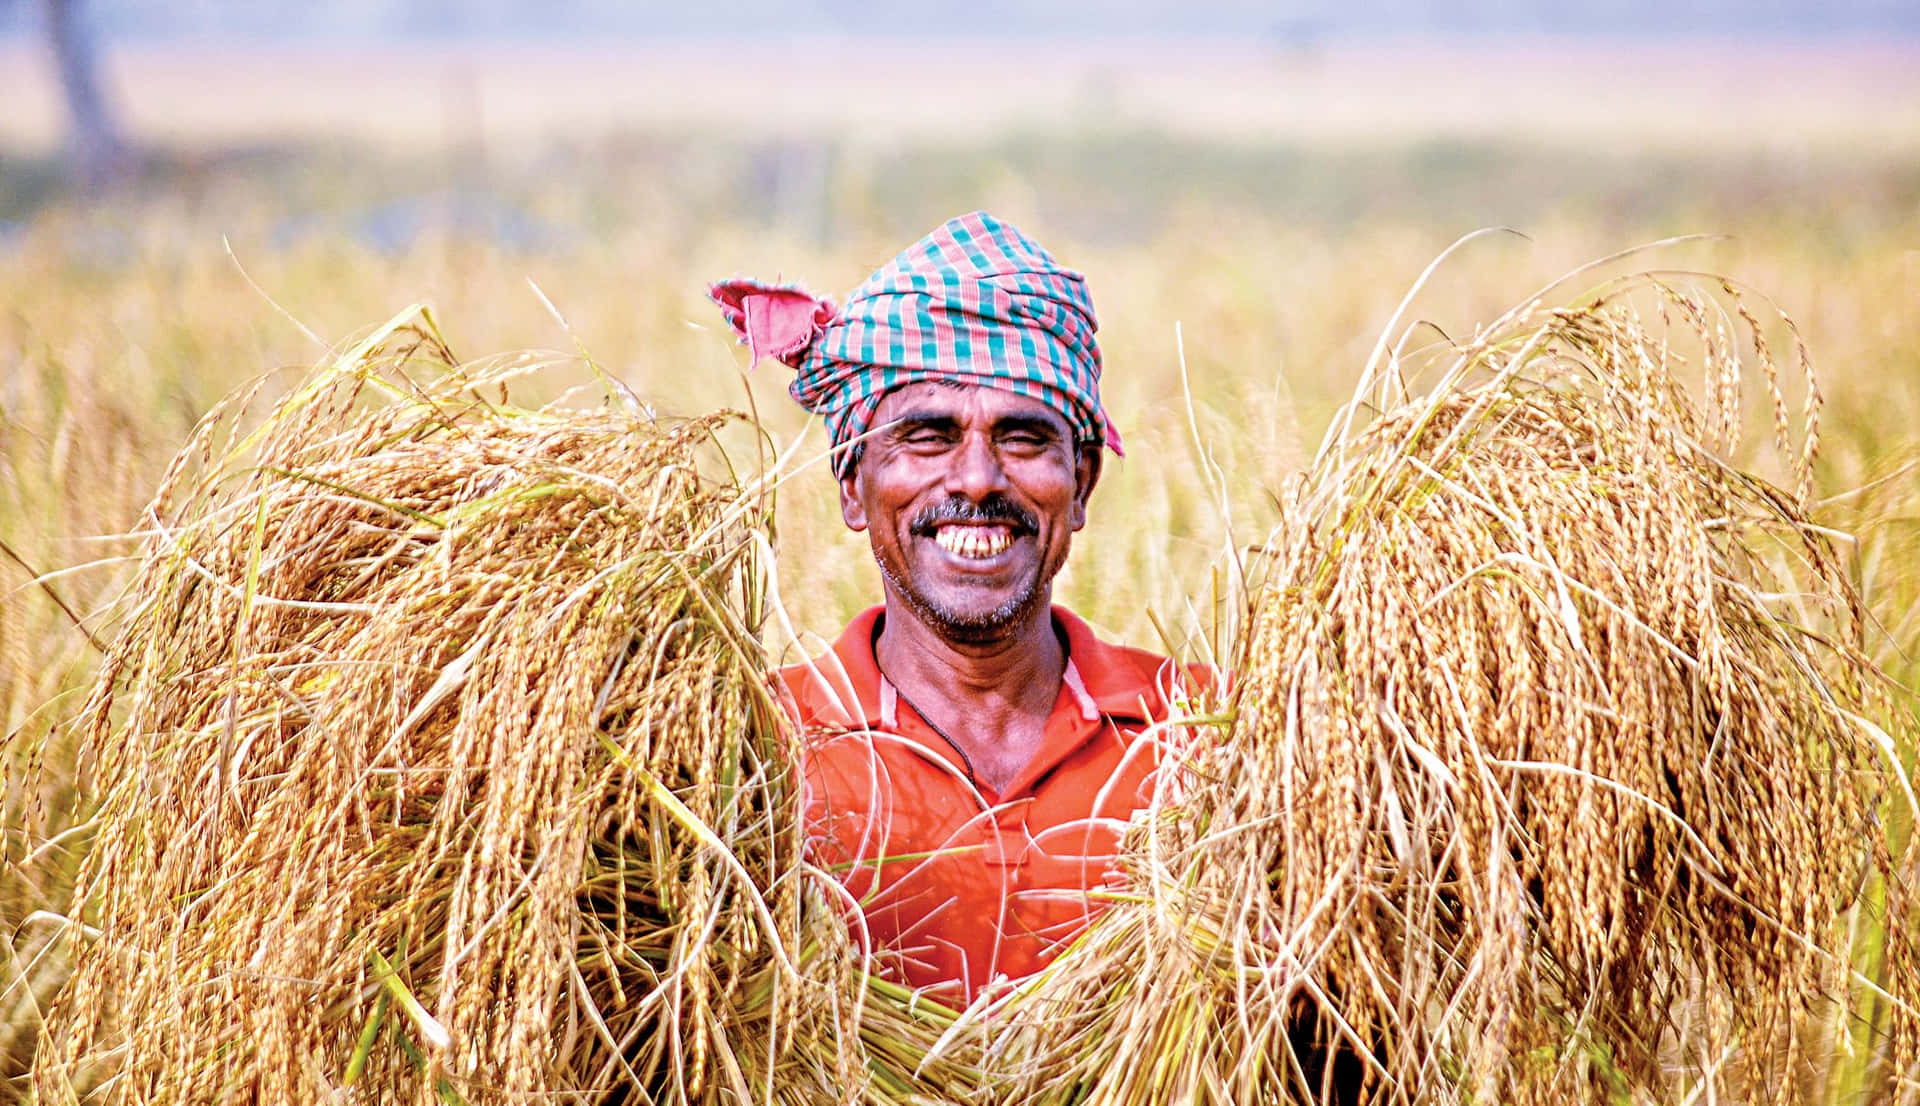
x,y
1028,424
1039,424
923,420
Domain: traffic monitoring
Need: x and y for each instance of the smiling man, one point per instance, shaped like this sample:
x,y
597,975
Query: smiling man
x,y
972,751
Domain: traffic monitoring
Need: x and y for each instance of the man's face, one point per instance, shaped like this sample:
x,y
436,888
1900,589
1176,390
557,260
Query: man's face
x,y
970,496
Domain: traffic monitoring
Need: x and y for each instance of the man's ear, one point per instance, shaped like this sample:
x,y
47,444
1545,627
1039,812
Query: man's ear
x,y
852,511
1086,473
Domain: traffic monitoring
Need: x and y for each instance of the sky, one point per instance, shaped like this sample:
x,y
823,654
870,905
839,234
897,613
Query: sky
x,y
1295,21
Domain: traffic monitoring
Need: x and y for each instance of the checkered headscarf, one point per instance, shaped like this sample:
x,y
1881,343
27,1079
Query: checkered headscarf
x,y
976,301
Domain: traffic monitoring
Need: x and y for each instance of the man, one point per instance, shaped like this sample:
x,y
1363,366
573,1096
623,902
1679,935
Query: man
x,y
972,751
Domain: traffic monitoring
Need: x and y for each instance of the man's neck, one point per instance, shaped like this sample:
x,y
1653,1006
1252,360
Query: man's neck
x,y
991,699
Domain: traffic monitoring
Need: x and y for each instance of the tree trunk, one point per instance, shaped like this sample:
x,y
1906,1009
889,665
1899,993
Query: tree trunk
x,y
94,139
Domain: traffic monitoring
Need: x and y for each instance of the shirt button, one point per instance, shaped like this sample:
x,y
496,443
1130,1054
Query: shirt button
x,y
1007,850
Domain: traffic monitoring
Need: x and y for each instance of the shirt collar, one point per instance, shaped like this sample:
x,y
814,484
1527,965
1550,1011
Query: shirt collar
x,y
844,688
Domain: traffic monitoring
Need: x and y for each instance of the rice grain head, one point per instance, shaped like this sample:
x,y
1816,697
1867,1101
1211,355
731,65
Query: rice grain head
x,y
1552,772
437,763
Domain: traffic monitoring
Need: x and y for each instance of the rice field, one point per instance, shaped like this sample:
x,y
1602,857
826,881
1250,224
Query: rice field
x,y
1244,268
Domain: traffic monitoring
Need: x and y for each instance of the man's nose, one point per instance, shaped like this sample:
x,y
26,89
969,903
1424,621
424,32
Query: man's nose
x,y
975,472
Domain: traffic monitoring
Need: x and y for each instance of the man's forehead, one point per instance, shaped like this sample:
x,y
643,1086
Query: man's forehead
x,y
958,399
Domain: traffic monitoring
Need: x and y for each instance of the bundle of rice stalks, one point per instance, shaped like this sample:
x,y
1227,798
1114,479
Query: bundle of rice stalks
x,y
1553,770
436,762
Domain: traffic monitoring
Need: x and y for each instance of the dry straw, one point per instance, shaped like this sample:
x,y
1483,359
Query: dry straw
x,y
436,763
1554,767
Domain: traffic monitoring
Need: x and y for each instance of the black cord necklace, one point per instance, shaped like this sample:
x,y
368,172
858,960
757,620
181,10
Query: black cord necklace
x,y
972,778
935,727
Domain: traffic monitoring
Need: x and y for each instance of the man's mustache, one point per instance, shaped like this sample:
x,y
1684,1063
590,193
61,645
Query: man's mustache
x,y
994,508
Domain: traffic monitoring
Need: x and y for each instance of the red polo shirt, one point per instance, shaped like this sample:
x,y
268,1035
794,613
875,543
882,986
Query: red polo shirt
x,y
959,886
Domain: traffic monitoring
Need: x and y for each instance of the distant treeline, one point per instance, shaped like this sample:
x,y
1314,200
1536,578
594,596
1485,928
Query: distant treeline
x,y
1298,22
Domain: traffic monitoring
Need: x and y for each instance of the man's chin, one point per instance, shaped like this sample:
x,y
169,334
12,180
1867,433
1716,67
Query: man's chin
x,y
973,623
974,629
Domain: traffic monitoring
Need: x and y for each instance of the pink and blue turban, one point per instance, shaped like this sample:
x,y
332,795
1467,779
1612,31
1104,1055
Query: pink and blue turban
x,y
975,302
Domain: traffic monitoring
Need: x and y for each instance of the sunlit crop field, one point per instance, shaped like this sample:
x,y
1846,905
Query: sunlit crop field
x,y
1248,221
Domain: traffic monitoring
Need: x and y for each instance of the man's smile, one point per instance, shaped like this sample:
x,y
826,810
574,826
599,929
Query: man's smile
x,y
978,535
973,541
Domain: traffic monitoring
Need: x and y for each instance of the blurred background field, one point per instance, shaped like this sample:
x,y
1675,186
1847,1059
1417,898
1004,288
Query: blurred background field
x,y
1250,189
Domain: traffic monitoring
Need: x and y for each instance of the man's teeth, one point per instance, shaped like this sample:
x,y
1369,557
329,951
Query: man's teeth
x,y
977,542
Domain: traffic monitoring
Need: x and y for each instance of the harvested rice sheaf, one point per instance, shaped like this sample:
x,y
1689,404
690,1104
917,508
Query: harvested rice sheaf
x,y
437,763
1554,770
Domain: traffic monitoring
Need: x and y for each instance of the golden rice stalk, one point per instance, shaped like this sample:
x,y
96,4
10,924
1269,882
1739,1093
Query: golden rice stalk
x,y
437,763
1553,770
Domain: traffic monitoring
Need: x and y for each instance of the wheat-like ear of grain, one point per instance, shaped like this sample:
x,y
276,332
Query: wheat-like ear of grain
x,y
1554,768
437,763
